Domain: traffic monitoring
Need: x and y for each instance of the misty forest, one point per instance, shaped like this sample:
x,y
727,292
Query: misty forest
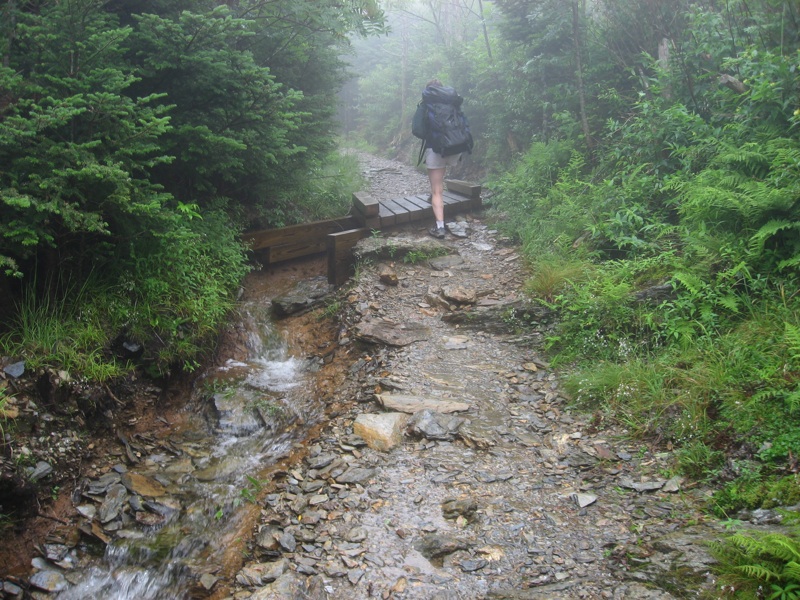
x,y
643,155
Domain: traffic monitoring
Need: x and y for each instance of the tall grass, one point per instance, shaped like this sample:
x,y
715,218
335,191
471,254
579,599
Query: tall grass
x,y
67,334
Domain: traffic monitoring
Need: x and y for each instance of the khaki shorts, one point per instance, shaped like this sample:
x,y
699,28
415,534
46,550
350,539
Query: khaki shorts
x,y
437,161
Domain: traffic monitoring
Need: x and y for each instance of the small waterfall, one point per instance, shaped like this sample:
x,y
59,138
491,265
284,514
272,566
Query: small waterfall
x,y
255,408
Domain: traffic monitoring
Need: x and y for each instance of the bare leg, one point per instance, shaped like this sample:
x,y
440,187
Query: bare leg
x,y
436,177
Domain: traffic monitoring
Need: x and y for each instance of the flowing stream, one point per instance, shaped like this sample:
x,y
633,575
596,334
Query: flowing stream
x,y
248,414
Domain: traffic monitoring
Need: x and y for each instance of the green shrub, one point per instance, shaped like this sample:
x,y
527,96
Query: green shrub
x,y
759,565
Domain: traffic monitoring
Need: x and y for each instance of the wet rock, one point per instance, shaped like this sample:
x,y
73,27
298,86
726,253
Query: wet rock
x,y
113,502
11,589
442,263
149,519
678,561
261,573
412,404
456,342
101,485
436,545
303,296
15,370
49,581
465,507
356,475
236,415
500,317
390,333
459,295
88,511
583,500
459,229
387,275
396,247
472,565
287,541
208,581
356,535
142,485
381,432
640,486
355,575
40,471
435,426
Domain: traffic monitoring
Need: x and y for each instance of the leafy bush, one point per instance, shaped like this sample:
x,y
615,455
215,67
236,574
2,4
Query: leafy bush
x,y
179,289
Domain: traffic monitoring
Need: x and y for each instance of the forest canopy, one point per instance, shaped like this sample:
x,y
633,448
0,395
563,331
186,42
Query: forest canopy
x,y
138,138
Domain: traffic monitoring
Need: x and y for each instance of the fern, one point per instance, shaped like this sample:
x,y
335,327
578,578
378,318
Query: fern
x,y
768,230
792,338
751,560
691,282
792,570
759,572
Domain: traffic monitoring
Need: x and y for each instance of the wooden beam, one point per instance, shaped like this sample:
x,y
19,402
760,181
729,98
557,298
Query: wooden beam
x,y
421,201
295,234
414,211
365,204
400,211
290,251
340,253
464,188
387,216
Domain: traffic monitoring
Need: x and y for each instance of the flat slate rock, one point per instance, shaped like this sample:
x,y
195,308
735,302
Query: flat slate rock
x,y
412,404
395,248
442,263
301,297
391,334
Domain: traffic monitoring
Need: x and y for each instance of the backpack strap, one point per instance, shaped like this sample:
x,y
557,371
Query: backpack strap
x,y
421,151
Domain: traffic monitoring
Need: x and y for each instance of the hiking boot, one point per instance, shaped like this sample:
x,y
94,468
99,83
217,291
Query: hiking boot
x,y
437,232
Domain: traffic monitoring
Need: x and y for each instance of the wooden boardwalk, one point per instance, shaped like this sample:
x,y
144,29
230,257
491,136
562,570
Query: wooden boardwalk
x,y
338,236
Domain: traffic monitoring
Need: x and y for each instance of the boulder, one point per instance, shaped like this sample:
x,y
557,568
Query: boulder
x,y
381,432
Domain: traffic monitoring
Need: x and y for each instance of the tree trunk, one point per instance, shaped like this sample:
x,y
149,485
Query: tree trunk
x,y
485,31
576,35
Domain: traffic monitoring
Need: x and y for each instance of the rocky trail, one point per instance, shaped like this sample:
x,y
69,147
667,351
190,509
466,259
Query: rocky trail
x,y
457,468
440,458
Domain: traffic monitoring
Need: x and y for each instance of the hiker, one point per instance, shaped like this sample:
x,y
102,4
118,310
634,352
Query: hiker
x,y
446,137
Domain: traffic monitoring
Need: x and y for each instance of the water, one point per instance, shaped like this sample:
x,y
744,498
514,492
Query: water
x,y
258,412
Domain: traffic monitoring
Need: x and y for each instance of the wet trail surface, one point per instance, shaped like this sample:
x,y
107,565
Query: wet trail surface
x,y
518,496
296,469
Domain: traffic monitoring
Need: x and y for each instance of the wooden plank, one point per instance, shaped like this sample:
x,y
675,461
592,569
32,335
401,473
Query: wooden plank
x,y
451,198
470,190
365,204
387,216
340,253
296,233
415,213
455,203
420,200
289,251
400,212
